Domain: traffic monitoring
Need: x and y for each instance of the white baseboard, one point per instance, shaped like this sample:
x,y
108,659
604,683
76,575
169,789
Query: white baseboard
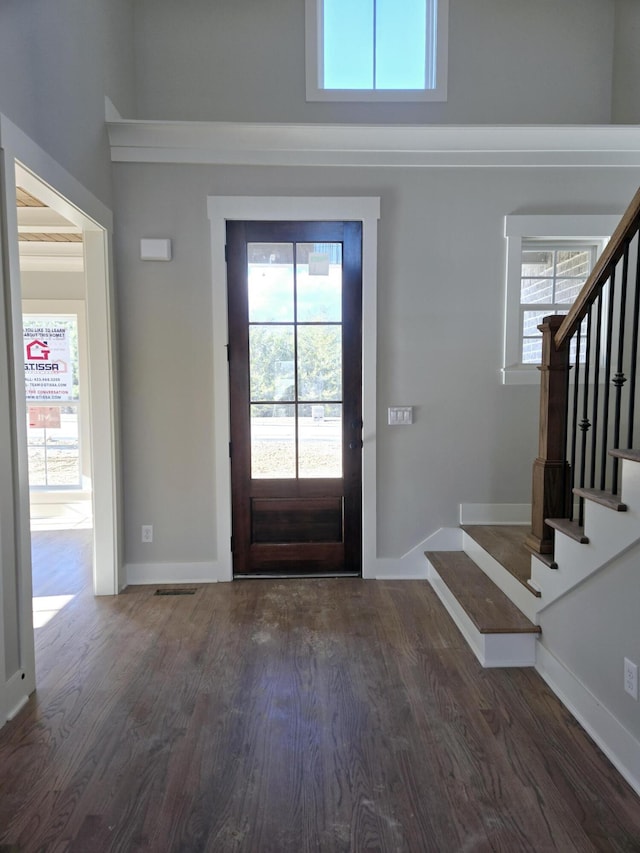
x,y
14,696
150,573
413,564
495,513
618,744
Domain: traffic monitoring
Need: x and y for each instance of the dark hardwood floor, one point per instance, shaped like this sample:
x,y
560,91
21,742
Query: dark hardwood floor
x,y
288,716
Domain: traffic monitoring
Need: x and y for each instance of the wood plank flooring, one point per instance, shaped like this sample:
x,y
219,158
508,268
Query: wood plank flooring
x,y
505,543
292,716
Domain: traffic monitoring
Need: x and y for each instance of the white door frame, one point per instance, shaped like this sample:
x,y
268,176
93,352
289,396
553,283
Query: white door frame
x,y
62,192
274,208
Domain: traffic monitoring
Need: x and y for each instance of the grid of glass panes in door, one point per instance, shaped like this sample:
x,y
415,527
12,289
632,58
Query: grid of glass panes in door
x,y
295,359
552,276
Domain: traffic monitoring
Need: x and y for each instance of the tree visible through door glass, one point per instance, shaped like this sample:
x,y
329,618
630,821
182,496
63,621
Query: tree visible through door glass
x,y
295,359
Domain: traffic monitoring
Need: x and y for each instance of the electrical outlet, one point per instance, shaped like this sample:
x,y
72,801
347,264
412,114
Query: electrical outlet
x,y
147,533
631,678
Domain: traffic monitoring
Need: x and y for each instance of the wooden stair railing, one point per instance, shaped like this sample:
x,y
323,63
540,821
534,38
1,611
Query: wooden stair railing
x,y
588,385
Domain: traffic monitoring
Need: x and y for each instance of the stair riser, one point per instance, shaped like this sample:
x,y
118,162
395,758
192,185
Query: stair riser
x,y
512,588
491,650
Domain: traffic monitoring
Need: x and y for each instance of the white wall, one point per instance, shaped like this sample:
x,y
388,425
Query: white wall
x,y
57,62
592,630
440,319
626,63
510,62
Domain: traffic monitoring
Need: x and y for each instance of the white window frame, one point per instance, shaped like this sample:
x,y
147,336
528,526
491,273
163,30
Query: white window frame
x,y
437,44
554,228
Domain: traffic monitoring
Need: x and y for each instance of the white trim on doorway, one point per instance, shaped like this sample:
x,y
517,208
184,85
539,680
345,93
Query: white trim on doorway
x,y
50,182
364,209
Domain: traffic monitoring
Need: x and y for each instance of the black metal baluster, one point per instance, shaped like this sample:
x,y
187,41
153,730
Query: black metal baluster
x,y
574,420
585,424
607,383
619,379
634,349
596,393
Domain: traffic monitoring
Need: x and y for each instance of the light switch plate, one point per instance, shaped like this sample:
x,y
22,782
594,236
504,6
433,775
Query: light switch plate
x,y
400,415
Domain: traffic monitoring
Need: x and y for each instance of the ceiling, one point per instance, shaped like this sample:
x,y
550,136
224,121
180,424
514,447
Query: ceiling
x,y
47,240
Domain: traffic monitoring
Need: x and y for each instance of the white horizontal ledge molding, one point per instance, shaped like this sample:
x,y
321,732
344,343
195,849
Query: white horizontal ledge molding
x,y
223,143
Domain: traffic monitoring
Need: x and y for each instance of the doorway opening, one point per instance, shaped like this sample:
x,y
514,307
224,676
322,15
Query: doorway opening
x,y
63,281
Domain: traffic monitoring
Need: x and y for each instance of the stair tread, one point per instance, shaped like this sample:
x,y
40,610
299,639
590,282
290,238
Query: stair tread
x,y
601,497
569,528
620,453
487,606
506,544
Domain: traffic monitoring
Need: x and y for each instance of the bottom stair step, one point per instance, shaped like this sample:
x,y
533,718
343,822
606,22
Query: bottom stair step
x,y
499,634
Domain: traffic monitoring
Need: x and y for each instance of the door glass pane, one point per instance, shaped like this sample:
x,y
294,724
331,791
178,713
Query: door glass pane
x,y
319,282
319,363
273,441
320,440
271,366
270,277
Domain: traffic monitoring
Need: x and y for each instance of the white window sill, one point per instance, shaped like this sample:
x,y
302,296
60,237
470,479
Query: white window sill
x,y
524,374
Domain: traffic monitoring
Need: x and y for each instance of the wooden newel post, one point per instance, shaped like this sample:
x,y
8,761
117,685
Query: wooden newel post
x,y
551,469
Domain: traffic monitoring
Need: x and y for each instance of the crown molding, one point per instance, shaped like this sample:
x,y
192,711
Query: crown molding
x,y
243,144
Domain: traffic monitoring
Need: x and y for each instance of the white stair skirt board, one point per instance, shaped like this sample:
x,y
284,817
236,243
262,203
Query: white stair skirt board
x,y
525,601
495,513
154,573
610,534
492,650
617,743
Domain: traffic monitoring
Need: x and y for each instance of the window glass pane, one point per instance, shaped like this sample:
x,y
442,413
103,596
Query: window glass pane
x,y
574,262
401,32
532,351
536,290
51,357
568,289
320,363
320,440
531,320
537,263
271,366
319,282
53,446
270,282
348,44
273,441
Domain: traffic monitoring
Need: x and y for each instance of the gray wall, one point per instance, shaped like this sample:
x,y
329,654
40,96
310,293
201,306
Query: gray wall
x,y
594,628
626,63
510,62
440,332
57,62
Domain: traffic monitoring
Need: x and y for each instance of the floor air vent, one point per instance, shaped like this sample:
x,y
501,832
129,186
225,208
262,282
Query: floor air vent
x,y
175,591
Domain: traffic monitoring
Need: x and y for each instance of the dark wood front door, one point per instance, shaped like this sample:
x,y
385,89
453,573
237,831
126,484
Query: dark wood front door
x,y
295,368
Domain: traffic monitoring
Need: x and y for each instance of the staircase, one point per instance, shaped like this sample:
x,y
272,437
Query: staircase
x,y
586,496
496,589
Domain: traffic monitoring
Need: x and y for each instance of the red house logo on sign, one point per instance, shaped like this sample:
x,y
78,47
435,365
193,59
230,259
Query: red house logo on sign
x,y
38,351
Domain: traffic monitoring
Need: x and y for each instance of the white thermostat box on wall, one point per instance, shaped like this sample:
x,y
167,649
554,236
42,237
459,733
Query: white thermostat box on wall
x,y
155,249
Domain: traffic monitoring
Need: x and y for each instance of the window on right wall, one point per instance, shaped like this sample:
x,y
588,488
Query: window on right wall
x,y
549,258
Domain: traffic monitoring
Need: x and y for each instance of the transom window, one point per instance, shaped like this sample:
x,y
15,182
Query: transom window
x,y
359,50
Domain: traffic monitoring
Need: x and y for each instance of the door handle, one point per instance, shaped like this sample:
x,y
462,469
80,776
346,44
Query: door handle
x,y
354,445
